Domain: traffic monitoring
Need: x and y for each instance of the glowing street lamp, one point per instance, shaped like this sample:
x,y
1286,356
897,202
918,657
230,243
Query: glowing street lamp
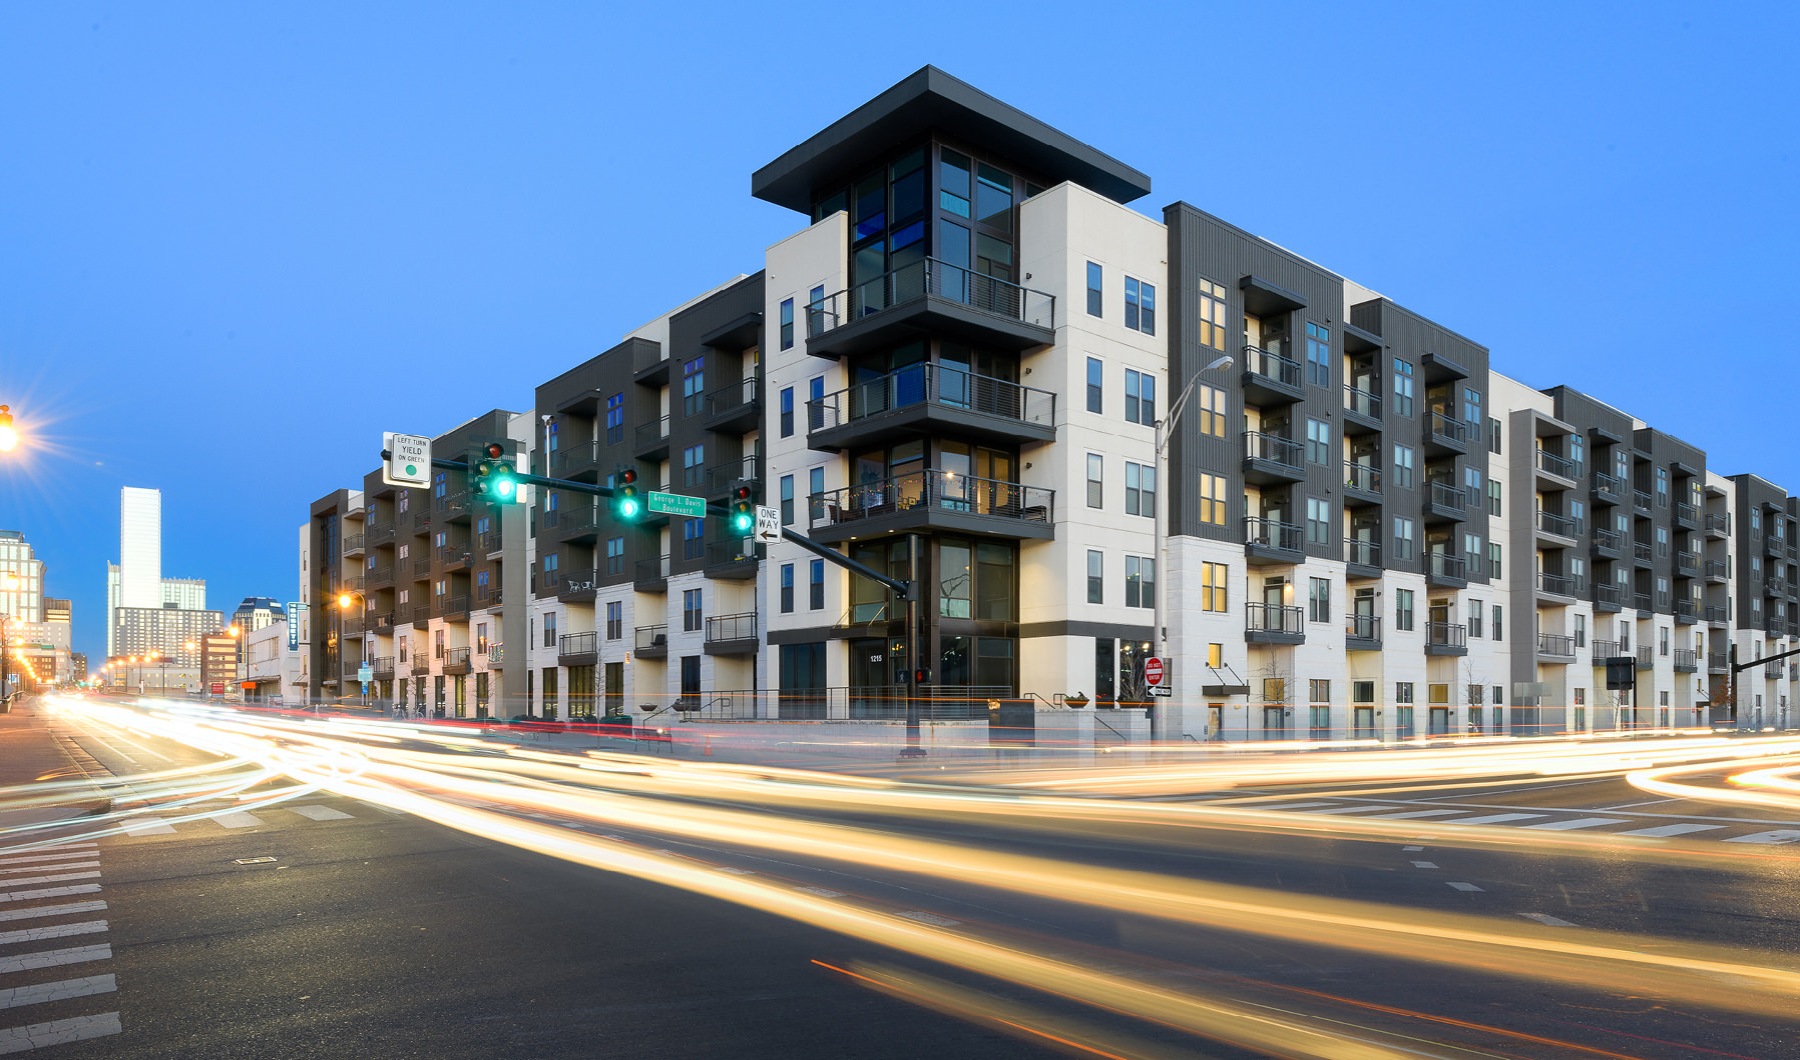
x,y
9,436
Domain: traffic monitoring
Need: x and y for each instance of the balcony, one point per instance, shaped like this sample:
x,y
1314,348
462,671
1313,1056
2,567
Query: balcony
x,y
421,566
1716,615
1560,530
1556,647
736,408
377,534
1640,601
1716,570
454,608
1609,544
489,543
1640,500
733,559
1687,564
652,575
353,544
420,665
1446,570
1640,553
1718,662
380,577
1446,638
1718,525
455,507
577,460
421,519
573,586
1445,503
1686,662
1274,624
1646,658
454,558
488,597
1362,559
731,634
1269,543
496,656
938,500
652,440
1608,489
1443,434
1270,378
651,642
1774,547
350,627
1773,586
930,297
1362,484
1270,459
382,666
1604,650
383,623
456,661
931,401
1556,472
421,616
1687,516
1362,411
1362,632
578,649
579,523
1566,588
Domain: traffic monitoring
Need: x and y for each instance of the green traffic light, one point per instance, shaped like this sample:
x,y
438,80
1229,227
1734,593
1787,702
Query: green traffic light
x,y
628,508
742,523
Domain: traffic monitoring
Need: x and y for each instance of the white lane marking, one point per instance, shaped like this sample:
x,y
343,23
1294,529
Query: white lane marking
x,y
737,872
52,931
56,958
61,877
237,819
148,826
1412,848
928,918
1579,822
1465,887
1673,829
66,909
48,892
34,995
822,892
1353,809
56,867
1285,805
320,813
1494,818
49,857
1547,919
56,1032
1779,835
1632,805
1411,814
1424,864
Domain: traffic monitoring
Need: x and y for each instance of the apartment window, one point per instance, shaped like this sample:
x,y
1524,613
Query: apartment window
x,y
1403,692
1577,453
1403,466
1318,521
1096,577
615,619
437,644
1578,515
815,311
1212,315
1437,693
787,500
1403,609
1493,491
1318,600
1095,280
692,544
1581,631
787,412
815,489
1475,696
1493,433
787,323
1499,623
1140,306
615,555
1494,560
1403,388
815,587
815,402
787,588
1403,537
1096,385
1472,484
1475,615
1096,467
552,562
1211,400
1215,655
1662,640
1472,553
1140,489
1140,397
693,386
1213,593
693,465
1662,487
690,608
550,629
1318,441
1662,542
1318,354
1140,581
1212,499
1472,410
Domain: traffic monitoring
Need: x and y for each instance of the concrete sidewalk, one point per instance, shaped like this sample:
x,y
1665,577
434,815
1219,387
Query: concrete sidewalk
x,y
33,748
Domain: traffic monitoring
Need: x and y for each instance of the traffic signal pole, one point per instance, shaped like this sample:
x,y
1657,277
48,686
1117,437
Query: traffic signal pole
x,y
1734,668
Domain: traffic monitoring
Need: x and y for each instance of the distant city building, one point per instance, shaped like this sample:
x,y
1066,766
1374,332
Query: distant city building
x,y
271,668
256,612
186,593
78,670
24,601
218,664
165,630
37,627
135,584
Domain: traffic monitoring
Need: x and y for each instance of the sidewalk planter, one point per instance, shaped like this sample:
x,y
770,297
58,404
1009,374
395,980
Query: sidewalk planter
x,y
1076,701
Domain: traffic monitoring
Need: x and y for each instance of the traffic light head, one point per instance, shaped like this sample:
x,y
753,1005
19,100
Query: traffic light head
x,y
743,511
492,476
626,504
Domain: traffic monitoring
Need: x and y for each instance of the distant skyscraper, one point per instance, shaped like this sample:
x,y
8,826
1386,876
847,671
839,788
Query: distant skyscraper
x,y
189,594
37,627
140,547
25,601
146,612
255,613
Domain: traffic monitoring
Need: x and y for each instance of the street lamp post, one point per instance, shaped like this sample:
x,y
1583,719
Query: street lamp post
x,y
343,604
1165,427
8,581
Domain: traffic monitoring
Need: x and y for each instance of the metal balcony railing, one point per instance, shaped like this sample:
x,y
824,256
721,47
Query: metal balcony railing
x,y
1445,565
1274,618
1271,534
1364,477
1560,525
1687,513
353,543
941,385
1715,614
1362,402
1444,495
1447,634
1609,539
1718,660
1362,627
1640,499
1687,563
943,490
1556,584
1557,644
456,660
1716,569
1686,661
1447,428
651,638
1641,551
1646,657
724,628
938,279
1609,485
1605,649
575,457
651,433
1366,553
587,643
1560,466
1258,361
1273,448
1718,524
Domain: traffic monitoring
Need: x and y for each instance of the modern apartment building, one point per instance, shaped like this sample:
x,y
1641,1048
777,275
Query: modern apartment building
x,y
959,371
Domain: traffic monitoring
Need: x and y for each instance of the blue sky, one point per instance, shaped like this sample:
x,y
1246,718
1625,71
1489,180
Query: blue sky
x,y
238,242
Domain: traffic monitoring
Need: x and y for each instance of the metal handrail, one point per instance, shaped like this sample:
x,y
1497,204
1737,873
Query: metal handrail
x,y
1258,361
1274,618
935,384
949,491
1364,477
1272,534
1362,402
1555,464
938,279
1447,634
1272,447
740,626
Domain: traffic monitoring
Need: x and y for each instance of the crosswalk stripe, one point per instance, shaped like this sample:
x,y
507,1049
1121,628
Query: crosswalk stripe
x,y
148,826
1353,809
60,877
58,866
56,1032
66,909
59,848
56,958
1547,920
48,892
822,892
1673,829
238,819
1410,814
57,991
1579,822
32,859
52,931
928,918
320,813
1494,818
1779,835
1466,887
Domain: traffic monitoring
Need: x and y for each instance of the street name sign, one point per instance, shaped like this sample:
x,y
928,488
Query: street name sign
x,y
409,460
768,524
676,504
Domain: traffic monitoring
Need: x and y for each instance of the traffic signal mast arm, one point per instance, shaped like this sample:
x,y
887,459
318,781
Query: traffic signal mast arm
x,y
904,588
